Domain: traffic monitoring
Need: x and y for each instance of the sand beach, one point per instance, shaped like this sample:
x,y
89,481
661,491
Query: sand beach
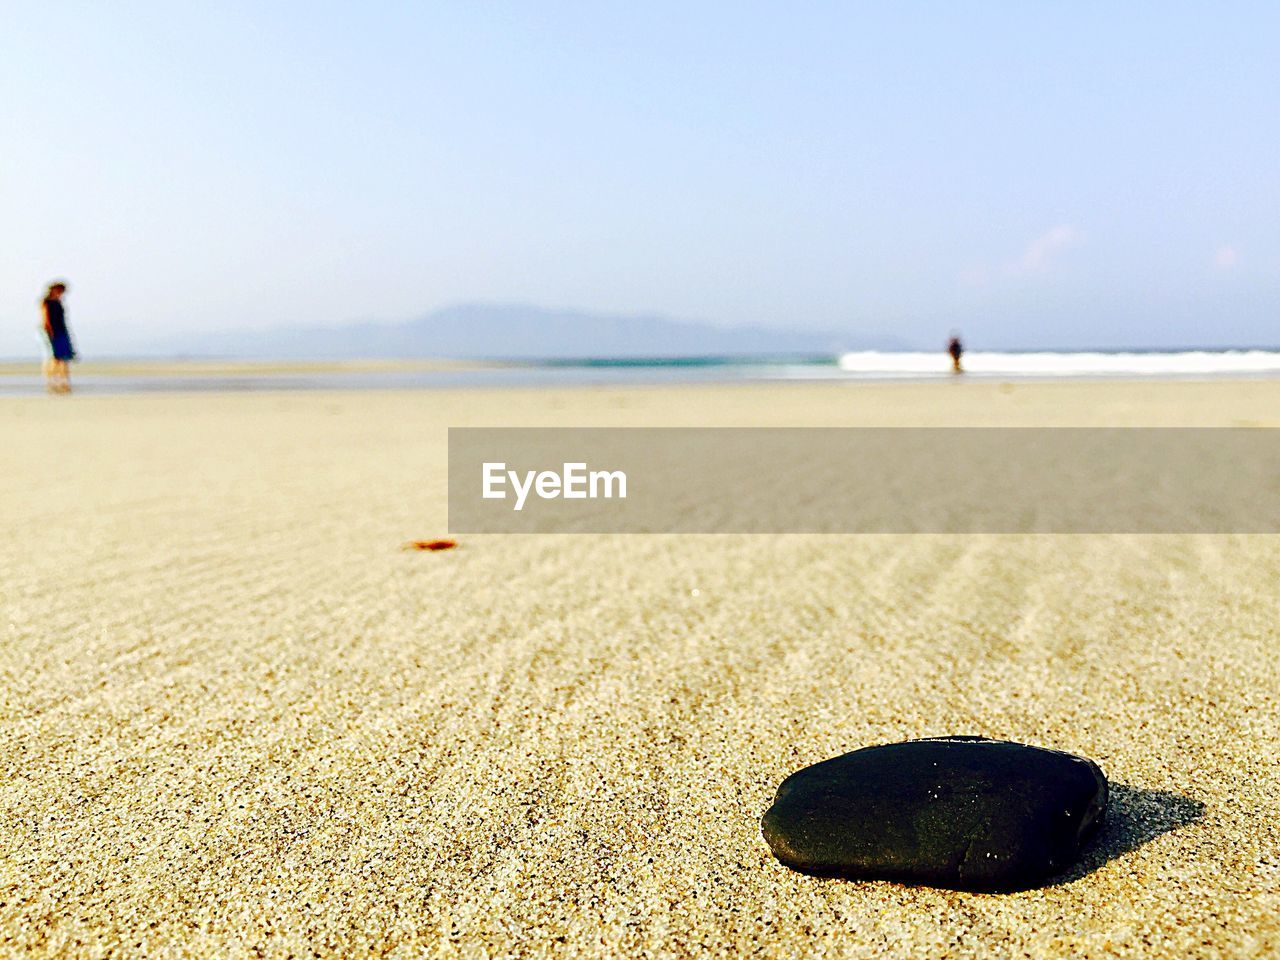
x,y
236,719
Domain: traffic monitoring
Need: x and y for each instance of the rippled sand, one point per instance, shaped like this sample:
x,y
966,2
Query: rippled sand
x,y
236,719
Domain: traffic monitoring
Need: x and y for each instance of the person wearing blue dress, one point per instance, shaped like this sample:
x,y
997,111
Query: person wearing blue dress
x,y
57,369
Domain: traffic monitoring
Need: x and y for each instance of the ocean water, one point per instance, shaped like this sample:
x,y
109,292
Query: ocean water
x,y
855,366
1150,363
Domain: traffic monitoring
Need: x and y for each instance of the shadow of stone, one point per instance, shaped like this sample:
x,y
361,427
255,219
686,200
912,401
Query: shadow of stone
x,y
1134,817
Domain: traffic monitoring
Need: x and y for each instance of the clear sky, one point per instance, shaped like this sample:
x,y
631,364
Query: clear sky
x,y
1034,173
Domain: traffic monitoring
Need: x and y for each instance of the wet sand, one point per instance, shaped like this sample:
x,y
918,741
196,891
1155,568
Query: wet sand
x,y
241,368
237,720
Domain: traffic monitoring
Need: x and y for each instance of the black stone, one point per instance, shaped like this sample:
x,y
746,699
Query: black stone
x,y
964,813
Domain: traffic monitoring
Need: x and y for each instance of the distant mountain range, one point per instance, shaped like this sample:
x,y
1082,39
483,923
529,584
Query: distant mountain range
x,y
504,332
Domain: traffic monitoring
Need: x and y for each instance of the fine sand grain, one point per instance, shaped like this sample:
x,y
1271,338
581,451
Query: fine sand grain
x,y
236,719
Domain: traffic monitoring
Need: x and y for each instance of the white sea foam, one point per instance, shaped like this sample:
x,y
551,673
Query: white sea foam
x,y
1190,363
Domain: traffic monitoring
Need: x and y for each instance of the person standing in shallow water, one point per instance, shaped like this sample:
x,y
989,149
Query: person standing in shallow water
x,y
956,349
57,369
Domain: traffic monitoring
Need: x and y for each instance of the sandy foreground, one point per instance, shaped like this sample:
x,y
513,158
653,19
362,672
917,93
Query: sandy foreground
x,y
236,719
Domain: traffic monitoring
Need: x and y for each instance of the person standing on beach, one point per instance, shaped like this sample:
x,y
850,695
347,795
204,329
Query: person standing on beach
x,y
956,349
57,370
